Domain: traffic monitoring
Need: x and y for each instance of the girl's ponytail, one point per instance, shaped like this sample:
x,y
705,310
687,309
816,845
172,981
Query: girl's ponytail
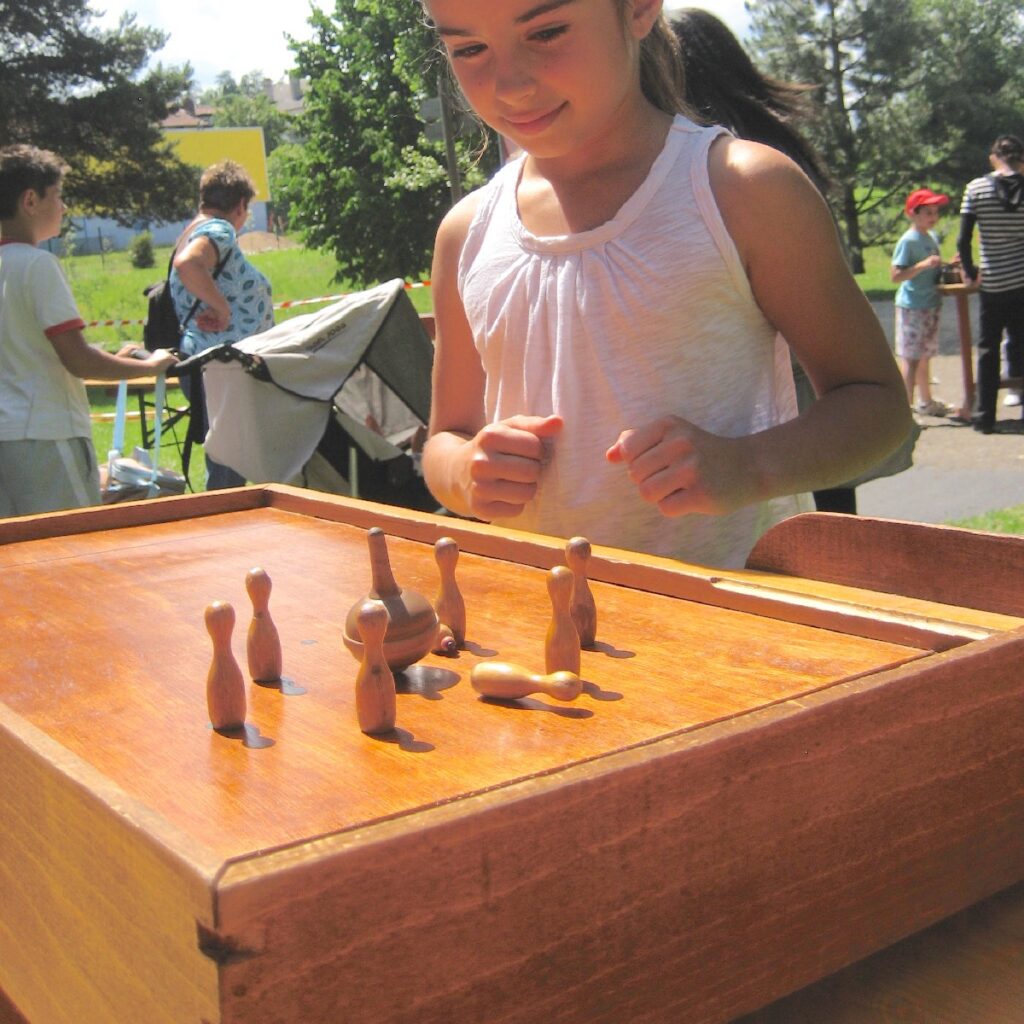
x,y
661,70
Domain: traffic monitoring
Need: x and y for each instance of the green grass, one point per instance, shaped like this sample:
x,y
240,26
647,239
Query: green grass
x,y
108,287
1008,520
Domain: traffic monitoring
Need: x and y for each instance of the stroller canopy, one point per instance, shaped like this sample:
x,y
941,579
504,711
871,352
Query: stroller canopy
x,y
365,357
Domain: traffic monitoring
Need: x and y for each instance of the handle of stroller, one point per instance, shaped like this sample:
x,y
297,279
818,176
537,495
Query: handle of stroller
x,y
222,353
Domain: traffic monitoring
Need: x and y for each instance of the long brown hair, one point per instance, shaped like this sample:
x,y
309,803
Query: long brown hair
x,y
661,68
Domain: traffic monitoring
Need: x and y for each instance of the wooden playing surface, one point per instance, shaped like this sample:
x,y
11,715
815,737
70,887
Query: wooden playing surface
x,y
772,773
105,651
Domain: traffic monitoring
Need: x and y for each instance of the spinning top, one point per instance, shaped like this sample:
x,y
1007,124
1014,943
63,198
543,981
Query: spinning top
x,y
413,623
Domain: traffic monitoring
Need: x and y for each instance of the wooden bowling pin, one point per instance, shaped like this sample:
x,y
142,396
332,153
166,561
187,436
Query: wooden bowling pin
x,y
507,681
450,606
584,611
225,687
562,644
375,685
263,645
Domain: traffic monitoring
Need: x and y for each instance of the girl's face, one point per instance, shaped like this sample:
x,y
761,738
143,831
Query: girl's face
x,y
551,75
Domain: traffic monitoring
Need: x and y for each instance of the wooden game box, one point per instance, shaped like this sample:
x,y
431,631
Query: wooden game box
x,y
771,773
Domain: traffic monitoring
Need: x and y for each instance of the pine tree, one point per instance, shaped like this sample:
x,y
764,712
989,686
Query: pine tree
x,y
80,91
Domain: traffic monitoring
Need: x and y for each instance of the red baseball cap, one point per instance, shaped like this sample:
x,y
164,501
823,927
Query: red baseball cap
x,y
924,197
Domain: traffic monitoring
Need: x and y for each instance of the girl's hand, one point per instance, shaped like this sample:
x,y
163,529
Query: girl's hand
x,y
503,464
683,469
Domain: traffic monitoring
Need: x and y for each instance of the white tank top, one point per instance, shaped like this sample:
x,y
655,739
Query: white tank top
x,y
647,315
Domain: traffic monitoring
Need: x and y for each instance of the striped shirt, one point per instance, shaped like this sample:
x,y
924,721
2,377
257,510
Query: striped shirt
x,y
998,209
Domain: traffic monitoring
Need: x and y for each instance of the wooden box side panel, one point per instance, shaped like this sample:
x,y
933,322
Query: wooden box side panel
x,y
99,923
697,881
969,967
933,563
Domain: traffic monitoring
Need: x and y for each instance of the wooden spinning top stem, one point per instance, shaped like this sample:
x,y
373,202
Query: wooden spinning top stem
x,y
383,579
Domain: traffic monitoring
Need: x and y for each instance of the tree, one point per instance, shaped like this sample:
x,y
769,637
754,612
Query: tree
x,y
367,184
80,91
888,115
241,111
974,83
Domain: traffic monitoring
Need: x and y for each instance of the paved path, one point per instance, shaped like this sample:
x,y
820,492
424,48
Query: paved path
x,y
957,472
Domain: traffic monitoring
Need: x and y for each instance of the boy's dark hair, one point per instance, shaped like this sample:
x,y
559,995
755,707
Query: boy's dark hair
x,y
224,185
1008,147
26,167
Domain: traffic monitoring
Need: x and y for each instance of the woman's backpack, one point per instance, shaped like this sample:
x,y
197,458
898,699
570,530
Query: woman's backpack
x,y
162,328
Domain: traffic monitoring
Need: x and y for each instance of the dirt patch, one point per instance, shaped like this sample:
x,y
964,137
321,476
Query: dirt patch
x,y
264,241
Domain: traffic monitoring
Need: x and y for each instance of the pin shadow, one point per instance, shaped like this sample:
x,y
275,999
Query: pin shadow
x,y
426,681
405,741
595,692
288,687
531,704
610,651
481,652
248,734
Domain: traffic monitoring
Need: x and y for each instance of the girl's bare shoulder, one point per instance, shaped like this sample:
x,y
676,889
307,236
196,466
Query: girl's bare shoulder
x,y
744,167
455,225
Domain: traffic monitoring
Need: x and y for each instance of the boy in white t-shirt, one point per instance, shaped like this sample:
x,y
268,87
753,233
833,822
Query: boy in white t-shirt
x,y
47,459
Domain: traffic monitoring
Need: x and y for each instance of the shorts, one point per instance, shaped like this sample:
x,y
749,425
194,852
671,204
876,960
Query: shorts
x,y
46,476
917,332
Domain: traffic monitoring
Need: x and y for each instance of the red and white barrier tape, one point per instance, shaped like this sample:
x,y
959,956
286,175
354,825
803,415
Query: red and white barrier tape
x,y
277,305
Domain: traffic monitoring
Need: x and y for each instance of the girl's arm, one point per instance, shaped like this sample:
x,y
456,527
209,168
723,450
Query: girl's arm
x,y
789,246
472,468
790,250
195,265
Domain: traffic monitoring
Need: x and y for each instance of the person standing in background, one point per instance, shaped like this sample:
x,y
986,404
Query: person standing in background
x,y
916,266
209,268
723,87
995,203
47,457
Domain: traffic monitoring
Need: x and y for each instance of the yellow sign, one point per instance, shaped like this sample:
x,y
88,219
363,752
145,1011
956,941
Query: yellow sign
x,y
201,147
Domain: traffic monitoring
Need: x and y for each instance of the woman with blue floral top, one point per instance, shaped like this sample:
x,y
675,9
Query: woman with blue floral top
x,y
209,267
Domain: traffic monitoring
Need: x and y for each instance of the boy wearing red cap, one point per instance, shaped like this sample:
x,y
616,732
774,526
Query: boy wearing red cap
x,y
916,265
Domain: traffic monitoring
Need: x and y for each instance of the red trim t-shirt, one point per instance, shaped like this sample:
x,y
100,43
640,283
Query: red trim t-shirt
x,y
39,398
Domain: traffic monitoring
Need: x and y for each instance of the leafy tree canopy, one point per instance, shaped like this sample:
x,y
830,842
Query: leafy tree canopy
x,y
80,91
367,184
241,111
910,93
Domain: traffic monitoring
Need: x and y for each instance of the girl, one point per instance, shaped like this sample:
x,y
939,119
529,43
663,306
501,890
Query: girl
x,y
607,306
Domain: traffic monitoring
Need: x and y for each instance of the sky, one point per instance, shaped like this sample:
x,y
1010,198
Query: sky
x,y
218,36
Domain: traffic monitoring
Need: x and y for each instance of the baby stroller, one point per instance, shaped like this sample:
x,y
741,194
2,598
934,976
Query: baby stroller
x,y
337,400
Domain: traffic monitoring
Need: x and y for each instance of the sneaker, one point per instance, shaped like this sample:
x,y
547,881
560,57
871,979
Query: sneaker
x,y
1012,398
932,408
